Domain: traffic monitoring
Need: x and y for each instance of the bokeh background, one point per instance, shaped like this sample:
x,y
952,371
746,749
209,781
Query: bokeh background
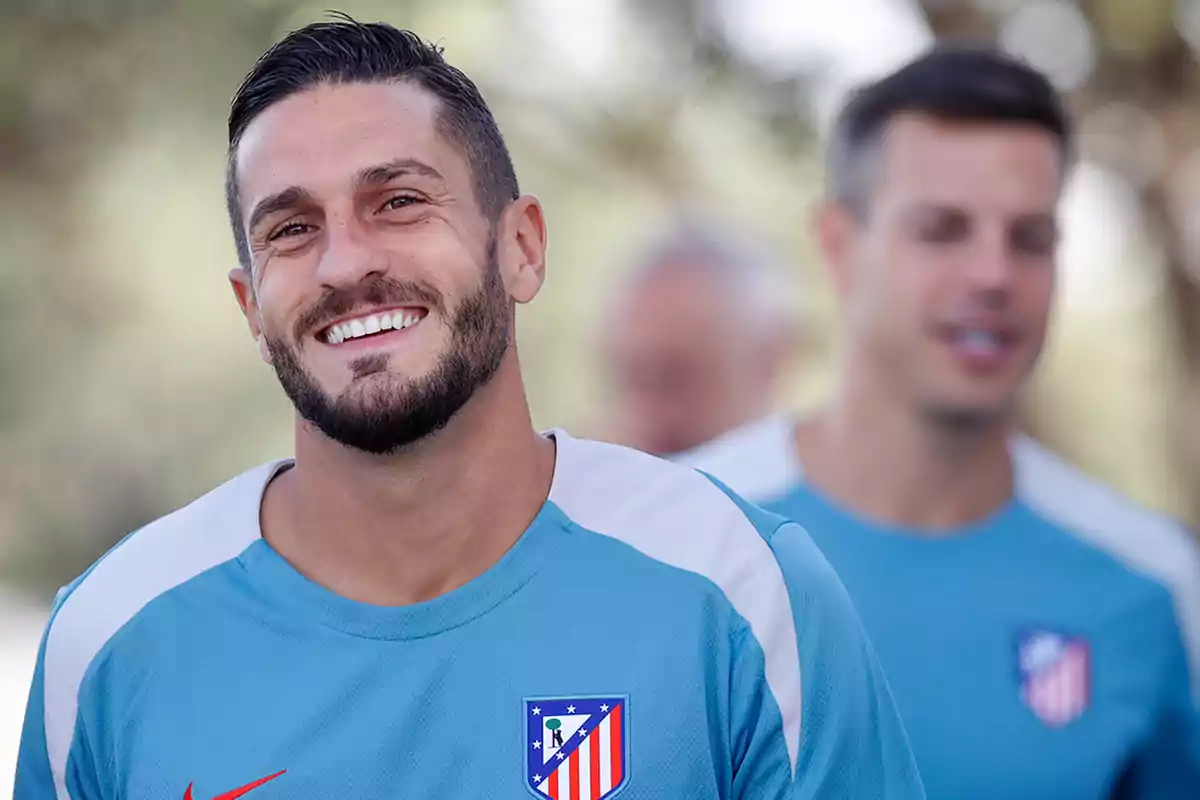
x,y
128,384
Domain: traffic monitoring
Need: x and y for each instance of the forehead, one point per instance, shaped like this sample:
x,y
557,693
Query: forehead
x,y
1007,167
320,137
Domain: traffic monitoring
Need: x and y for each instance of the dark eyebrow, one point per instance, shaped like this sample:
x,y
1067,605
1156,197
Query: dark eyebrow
x,y
1039,218
291,196
935,208
373,176
382,173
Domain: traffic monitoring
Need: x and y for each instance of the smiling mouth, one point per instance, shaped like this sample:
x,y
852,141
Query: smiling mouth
x,y
373,324
981,343
983,338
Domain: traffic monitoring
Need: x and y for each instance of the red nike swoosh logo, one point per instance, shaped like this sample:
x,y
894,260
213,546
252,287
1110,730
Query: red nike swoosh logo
x,y
236,793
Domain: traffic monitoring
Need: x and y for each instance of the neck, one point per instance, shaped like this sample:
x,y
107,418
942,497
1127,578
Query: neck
x,y
405,528
890,463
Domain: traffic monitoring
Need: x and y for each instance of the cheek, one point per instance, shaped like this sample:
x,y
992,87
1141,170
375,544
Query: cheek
x,y
278,305
1037,292
892,293
1032,294
440,255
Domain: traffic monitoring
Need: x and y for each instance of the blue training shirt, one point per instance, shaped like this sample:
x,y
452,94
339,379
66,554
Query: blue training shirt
x,y
1039,653
650,634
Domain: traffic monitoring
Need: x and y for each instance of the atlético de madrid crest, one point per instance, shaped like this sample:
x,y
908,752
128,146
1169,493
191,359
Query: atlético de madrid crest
x,y
1055,675
576,748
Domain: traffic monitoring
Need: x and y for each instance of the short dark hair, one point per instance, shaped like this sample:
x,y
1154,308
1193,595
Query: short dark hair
x,y
347,51
956,82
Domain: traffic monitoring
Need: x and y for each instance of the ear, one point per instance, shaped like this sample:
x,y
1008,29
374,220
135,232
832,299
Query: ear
x,y
243,290
521,249
836,228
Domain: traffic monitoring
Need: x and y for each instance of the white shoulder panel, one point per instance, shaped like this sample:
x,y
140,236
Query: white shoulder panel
x,y
677,516
758,461
166,553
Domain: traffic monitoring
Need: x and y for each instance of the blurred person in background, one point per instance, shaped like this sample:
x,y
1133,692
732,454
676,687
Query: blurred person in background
x,y
1035,626
695,341
431,599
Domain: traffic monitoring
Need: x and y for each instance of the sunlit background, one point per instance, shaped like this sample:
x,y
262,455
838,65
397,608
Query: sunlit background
x,y
130,385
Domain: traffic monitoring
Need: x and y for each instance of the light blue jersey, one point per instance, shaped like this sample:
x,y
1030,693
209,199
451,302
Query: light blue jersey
x,y
1037,654
649,635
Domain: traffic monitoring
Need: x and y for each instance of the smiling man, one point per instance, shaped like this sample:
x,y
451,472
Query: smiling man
x,y
431,599
1031,622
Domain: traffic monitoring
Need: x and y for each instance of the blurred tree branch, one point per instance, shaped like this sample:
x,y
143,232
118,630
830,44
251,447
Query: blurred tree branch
x,y
72,85
637,131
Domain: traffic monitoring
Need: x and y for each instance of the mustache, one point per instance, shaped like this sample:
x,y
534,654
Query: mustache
x,y
381,291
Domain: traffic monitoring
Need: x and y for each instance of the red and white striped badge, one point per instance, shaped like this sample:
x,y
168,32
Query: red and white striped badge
x,y
577,748
1056,679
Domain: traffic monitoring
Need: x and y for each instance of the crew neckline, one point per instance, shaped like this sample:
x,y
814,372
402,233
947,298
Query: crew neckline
x,y
274,576
979,530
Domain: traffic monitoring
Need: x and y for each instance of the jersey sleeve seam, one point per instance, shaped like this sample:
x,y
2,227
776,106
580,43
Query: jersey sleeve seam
x,y
782,524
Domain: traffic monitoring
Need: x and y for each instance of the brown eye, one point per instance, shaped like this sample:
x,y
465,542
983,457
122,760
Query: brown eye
x,y
400,201
1035,238
943,228
290,229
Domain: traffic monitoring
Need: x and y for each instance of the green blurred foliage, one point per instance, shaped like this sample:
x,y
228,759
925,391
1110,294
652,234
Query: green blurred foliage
x,y
129,384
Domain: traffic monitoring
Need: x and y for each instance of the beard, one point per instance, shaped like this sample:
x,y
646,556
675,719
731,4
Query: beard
x,y
385,414
964,420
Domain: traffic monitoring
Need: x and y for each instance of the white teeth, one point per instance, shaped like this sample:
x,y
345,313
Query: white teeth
x,y
368,325
976,339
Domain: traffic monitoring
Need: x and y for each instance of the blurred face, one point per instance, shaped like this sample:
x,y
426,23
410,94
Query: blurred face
x,y
681,362
949,278
376,293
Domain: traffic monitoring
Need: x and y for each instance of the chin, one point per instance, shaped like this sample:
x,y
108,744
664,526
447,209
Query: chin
x,y
373,371
968,415
376,389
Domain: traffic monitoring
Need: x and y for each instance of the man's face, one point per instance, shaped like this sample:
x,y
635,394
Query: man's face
x,y
949,278
376,293
681,363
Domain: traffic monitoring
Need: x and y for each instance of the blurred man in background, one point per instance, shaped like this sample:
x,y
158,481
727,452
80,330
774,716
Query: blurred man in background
x,y
1035,626
431,599
696,340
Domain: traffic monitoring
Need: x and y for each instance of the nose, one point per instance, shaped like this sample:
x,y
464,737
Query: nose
x,y
992,265
350,256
